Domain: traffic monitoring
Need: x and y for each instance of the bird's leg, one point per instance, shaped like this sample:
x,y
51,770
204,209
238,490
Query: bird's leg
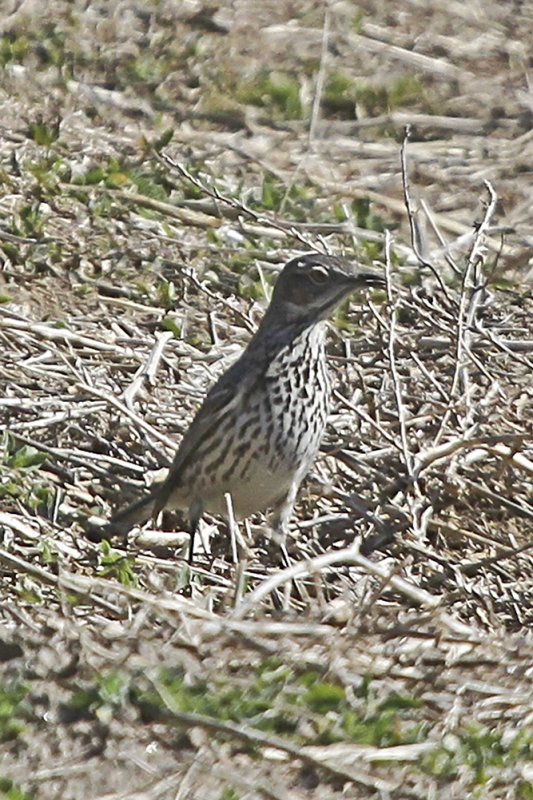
x,y
195,515
280,521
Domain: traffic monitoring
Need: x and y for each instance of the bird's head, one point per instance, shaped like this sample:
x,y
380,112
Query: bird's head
x,y
311,286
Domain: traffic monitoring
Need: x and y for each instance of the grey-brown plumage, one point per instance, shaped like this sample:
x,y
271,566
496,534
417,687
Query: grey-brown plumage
x,y
259,428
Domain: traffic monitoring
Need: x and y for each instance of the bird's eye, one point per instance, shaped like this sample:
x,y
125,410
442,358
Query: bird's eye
x,y
319,275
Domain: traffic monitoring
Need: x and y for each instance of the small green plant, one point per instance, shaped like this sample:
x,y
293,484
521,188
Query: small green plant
x,y
339,96
272,193
166,295
30,220
365,217
147,68
48,554
169,324
9,791
296,201
405,91
101,700
258,703
230,794
165,138
150,185
52,46
13,49
19,467
111,173
277,92
524,790
373,99
277,700
13,713
480,754
25,457
113,564
42,133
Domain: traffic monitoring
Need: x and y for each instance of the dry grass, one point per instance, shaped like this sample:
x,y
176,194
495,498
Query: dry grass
x,y
393,658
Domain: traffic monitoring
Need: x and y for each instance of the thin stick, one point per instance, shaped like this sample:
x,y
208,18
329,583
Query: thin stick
x,y
321,77
396,381
411,215
147,370
349,555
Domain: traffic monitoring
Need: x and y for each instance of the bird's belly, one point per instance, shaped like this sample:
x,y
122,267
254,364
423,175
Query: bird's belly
x,y
256,483
258,489
263,451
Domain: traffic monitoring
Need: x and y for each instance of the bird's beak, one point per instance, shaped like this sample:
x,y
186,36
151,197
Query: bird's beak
x,y
362,279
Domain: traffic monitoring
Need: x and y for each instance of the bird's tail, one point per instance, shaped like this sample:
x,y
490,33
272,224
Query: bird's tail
x,y
120,524
136,513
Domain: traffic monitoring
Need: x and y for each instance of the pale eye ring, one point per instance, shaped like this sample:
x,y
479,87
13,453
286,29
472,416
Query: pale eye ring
x,y
319,275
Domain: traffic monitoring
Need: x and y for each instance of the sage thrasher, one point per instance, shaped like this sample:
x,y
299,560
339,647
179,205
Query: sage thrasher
x,y
259,428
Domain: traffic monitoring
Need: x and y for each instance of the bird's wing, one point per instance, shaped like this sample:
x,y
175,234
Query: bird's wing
x,y
228,395
220,400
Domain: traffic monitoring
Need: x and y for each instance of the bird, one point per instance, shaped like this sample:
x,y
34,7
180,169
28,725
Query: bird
x,y
259,429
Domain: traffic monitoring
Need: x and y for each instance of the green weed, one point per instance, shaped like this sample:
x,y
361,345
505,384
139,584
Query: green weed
x,y
276,92
9,791
112,564
14,712
13,49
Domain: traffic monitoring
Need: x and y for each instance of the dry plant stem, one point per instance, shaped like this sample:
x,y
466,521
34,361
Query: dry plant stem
x,y
315,228
240,583
250,787
22,528
493,444
411,216
256,737
14,523
364,416
139,421
431,378
473,271
186,217
446,247
476,257
468,304
522,511
419,61
191,276
67,768
233,529
349,555
471,567
321,77
84,458
407,456
245,212
183,608
151,790
511,347
48,332
148,370
11,237
394,205
264,226
43,576
400,119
